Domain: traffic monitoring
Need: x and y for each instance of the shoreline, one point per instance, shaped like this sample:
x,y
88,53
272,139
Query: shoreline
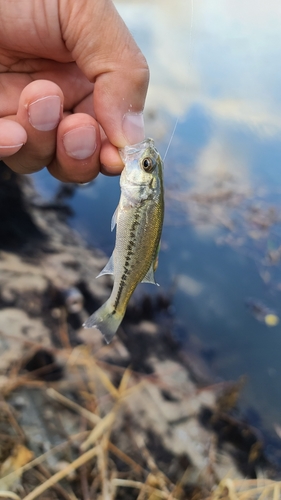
x,y
167,416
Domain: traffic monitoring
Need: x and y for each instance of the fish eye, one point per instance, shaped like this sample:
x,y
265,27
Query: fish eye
x,y
148,164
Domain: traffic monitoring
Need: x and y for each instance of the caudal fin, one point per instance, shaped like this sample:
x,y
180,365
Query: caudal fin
x,y
106,320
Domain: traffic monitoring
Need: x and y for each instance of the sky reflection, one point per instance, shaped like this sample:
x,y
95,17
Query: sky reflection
x,y
215,66
223,55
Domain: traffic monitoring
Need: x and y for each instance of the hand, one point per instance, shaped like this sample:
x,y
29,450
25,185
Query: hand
x,y
72,84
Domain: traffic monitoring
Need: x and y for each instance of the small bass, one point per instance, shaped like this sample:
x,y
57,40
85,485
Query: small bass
x,y
139,220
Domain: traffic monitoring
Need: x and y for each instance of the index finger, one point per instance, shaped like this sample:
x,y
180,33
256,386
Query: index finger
x,y
104,49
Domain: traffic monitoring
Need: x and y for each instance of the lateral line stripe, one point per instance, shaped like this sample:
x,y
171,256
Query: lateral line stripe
x,y
130,246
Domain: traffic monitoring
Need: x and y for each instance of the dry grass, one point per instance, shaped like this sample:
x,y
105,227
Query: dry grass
x,y
247,489
93,472
94,443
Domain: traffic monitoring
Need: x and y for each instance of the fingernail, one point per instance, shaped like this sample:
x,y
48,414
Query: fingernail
x,y
9,150
13,146
133,127
44,114
81,142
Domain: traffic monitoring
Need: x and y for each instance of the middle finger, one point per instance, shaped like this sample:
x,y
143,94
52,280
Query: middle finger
x,y
39,113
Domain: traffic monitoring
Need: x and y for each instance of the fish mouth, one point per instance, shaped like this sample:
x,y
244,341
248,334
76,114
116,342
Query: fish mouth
x,y
135,149
126,179
137,183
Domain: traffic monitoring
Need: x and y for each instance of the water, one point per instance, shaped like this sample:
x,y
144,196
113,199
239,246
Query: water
x,y
215,66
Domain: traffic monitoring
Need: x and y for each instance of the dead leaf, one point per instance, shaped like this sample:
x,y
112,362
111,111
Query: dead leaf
x,y
9,473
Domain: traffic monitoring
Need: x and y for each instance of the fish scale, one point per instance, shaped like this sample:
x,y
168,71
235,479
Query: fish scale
x,y
139,220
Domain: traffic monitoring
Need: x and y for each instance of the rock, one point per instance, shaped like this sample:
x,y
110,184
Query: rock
x,y
148,327
17,331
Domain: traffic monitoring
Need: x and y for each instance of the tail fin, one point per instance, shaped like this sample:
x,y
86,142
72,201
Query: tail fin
x,y
106,320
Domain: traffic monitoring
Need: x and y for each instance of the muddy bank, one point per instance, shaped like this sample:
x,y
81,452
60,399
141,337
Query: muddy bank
x,y
136,419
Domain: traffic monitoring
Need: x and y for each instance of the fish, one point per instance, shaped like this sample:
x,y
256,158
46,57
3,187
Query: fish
x,y
138,220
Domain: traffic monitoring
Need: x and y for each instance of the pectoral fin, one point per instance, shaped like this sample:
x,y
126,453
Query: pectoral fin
x,y
114,218
108,269
149,277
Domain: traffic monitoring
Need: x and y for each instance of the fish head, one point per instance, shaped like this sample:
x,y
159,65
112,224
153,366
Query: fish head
x,y
143,164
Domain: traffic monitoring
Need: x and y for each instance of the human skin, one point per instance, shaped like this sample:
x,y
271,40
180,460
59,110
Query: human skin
x,y
72,84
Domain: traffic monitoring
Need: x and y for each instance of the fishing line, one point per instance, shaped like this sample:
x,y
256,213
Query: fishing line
x,y
172,136
189,63
190,33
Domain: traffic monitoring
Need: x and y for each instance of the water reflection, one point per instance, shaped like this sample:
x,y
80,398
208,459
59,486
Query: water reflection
x,y
214,65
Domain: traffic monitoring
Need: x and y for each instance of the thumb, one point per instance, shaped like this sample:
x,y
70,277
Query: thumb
x,y
104,49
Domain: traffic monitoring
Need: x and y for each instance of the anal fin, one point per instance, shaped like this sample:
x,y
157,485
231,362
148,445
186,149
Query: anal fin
x,y
108,268
149,277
